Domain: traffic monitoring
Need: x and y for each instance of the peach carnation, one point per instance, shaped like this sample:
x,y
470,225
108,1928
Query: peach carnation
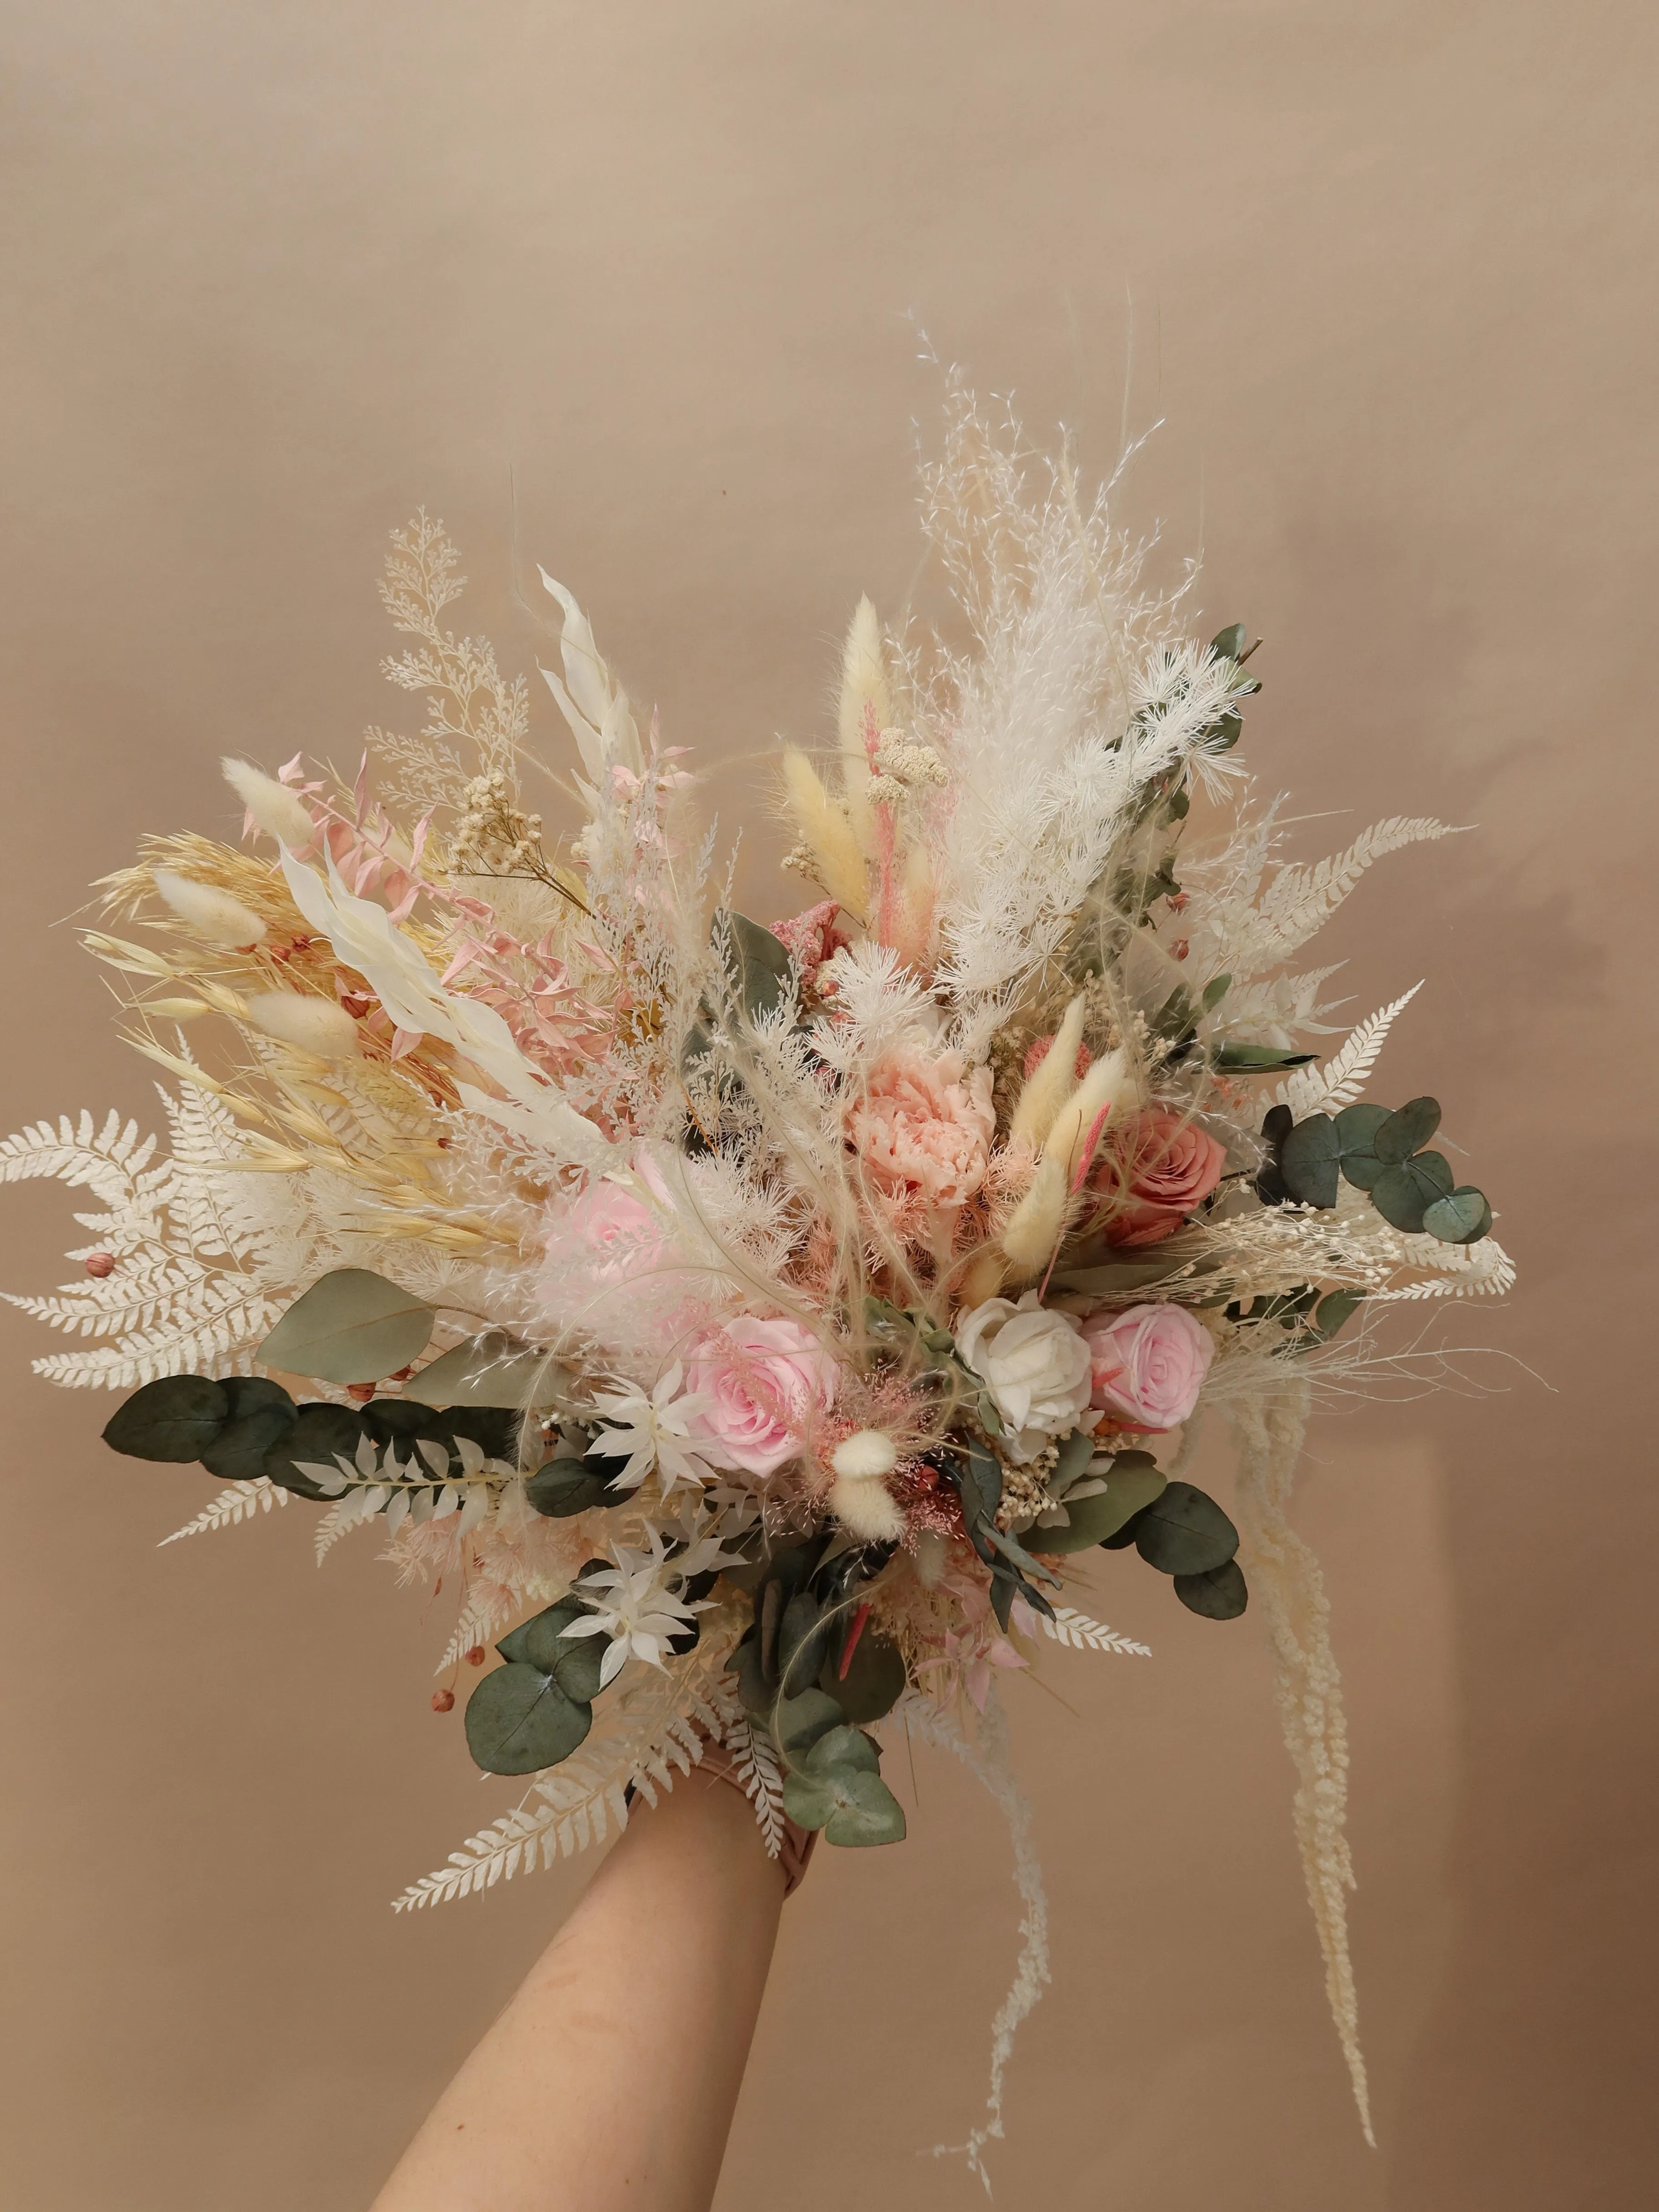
x,y
923,1127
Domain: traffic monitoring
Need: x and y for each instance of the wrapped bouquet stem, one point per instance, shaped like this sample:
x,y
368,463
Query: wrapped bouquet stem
x,y
769,1331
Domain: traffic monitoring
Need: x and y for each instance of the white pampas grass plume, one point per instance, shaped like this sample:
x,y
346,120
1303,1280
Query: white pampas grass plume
x,y
277,811
863,683
825,828
864,1508
209,912
1049,1082
314,1026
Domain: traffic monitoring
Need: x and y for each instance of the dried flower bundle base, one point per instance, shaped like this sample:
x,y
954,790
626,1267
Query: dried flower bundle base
x,y
760,1334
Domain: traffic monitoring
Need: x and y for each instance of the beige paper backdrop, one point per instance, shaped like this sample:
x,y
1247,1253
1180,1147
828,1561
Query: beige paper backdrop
x,y
274,276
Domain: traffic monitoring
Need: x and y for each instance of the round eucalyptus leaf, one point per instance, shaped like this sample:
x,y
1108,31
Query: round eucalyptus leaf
x,y
755,1692
321,1434
518,1720
567,1486
1355,1137
866,1813
803,1719
873,1682
1406,1132
1184,1532
803,1642
176,1418
1308,1160
1094,1520
261,1415
1220,1595
1403,1194
1227,644
1336,1307
353,1326
1462,1217
574,1662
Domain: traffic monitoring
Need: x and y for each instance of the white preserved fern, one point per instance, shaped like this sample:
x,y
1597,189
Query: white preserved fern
x,y
1070,1626
754,1766
655,1727
236,1502
1299,900
192,1289
1327,1090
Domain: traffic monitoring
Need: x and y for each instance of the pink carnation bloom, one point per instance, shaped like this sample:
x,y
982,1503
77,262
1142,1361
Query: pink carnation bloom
x,y
923,1128
1148,1365
764,1382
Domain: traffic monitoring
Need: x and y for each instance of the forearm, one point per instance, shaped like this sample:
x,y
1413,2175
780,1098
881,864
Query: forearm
x,y
610,2080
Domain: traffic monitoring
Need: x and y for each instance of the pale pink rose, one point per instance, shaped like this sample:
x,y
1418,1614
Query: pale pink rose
x,y
923,1128
764,1382
1148,1364
609,1232
1155,1174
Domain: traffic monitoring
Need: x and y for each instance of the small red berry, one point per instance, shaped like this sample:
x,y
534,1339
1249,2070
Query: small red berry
x,y
442,1700
99,1264
475,1657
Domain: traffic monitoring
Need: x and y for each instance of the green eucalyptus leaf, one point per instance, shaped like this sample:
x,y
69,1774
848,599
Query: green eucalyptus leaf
x,y
353,1326
1227,644
493,1369
1072,1455
574,1662
1336,1308
1224,733
1184,1532
1220,1594
801,1721
1403,1194
261,1415
1114,1279
175,1419
803,1641
1356,1136
1406,1132
1215,991
321,1434
563,1487
981,1483
866,1813
764,976
1236,1059
873,1682
1462,1217
1308,1160
754,1691
841,1750
1132,1482
518,1720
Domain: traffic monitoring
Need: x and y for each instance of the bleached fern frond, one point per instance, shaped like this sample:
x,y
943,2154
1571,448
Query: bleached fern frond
x,y
1327,1090
1300,900
1470,1271
111,1160
1075,1628
238,1501
657,1726
211,1326
754,1766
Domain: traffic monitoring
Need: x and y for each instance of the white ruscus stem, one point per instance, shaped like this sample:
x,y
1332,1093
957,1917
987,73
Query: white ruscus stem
x,y
1284,1577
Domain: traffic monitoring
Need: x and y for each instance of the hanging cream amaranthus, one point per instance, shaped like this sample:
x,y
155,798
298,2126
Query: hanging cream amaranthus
x,y
759,1331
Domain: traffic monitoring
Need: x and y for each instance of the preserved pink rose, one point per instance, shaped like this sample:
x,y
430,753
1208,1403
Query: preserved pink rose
x,y
764,1382
923,1129
1155,1173
612,1233
1148,1365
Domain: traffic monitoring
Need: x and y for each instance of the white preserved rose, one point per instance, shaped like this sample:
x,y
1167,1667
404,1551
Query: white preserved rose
x,y
1034,1364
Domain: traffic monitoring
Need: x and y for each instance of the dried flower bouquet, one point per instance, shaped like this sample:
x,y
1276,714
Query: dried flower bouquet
x,y
759,1331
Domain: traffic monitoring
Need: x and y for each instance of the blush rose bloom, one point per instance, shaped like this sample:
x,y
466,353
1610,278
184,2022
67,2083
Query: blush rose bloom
x,y
761,1383
923,1128
611,1232
1034,1364
1148,1364
1157,1173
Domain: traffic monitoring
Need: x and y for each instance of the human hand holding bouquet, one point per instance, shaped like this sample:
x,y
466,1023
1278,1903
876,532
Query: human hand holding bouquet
x,y
758,1334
